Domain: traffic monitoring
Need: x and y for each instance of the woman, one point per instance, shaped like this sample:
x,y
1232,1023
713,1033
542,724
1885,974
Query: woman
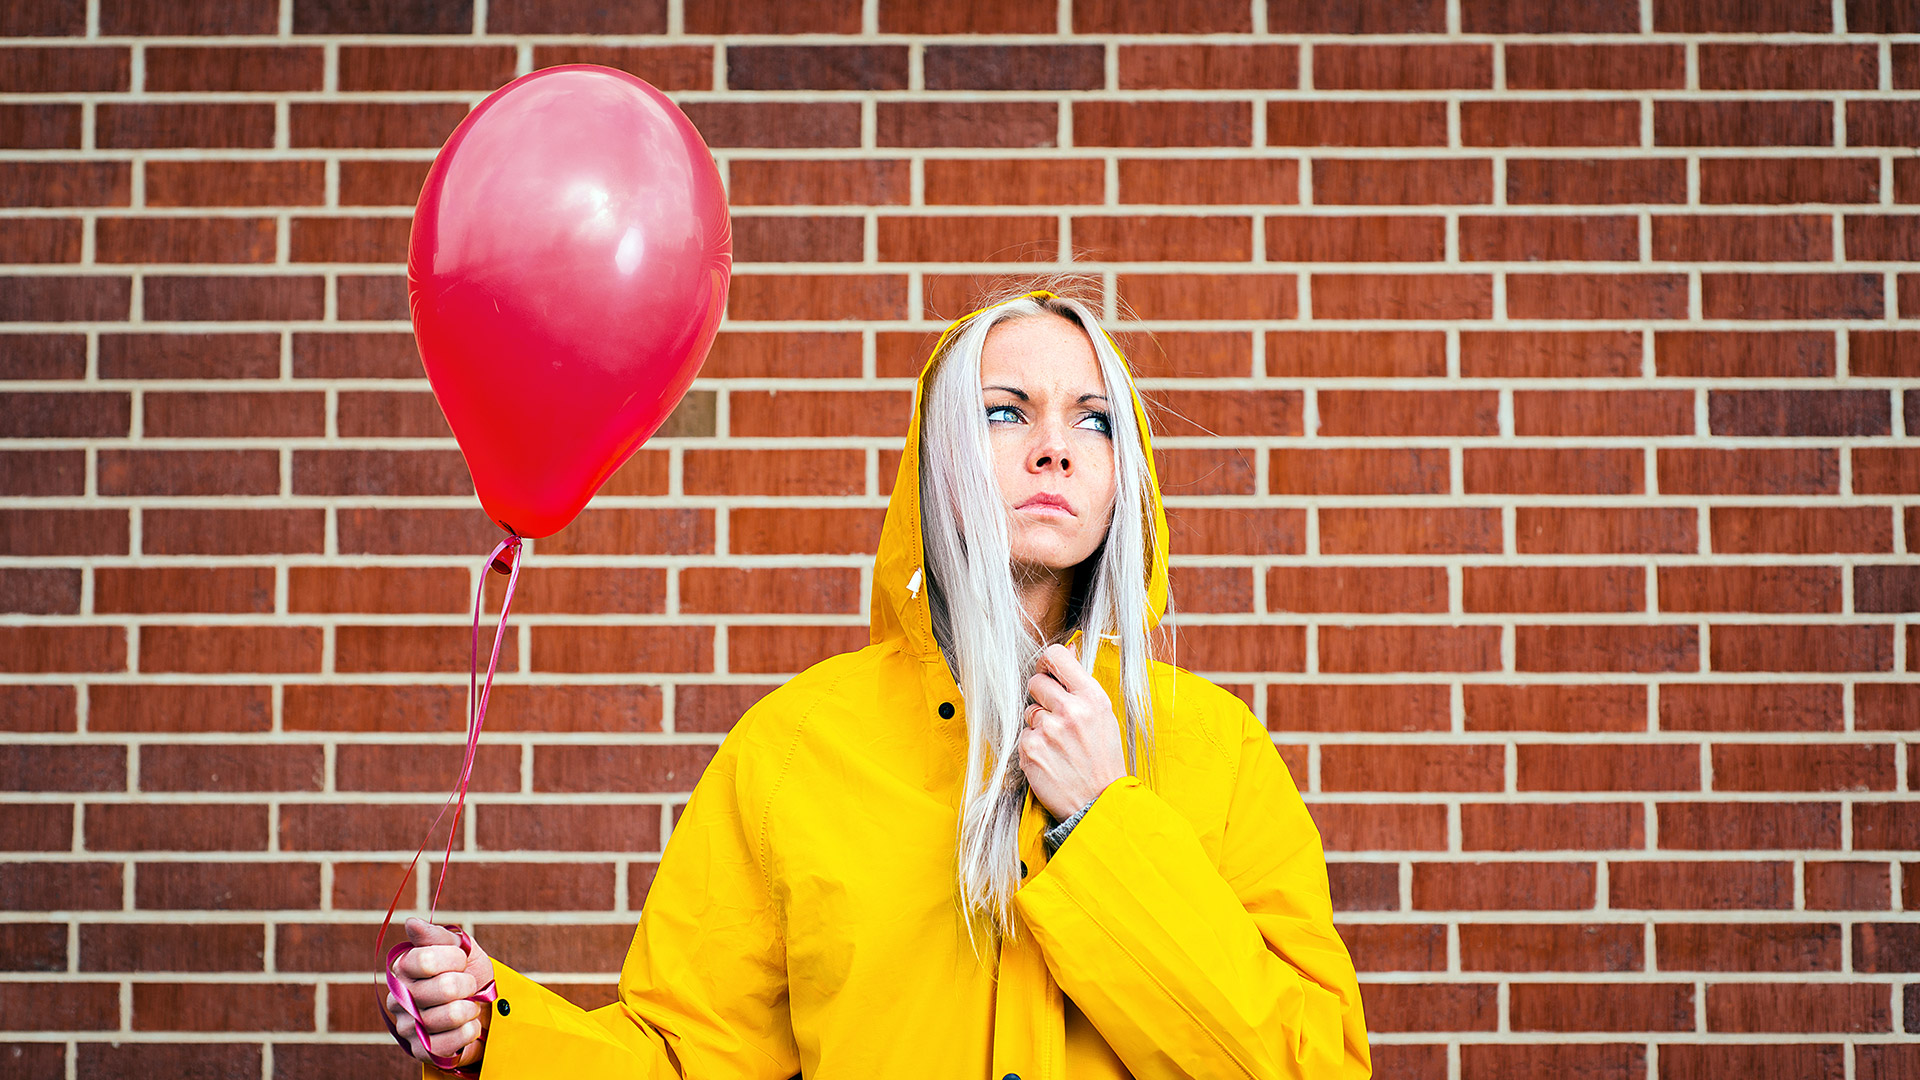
x,y
875,877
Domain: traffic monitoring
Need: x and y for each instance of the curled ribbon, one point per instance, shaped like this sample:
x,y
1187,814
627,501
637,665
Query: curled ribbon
x,y
504,560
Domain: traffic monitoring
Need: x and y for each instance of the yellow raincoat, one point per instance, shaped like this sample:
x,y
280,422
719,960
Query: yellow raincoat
x,y
804,918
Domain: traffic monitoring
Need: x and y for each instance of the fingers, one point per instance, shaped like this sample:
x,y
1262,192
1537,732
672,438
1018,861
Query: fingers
x,y
1060,661
427,961
422,932
1049,692
450,986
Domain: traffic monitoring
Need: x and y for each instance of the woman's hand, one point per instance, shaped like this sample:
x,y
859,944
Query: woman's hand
x,y
441,977
1071,748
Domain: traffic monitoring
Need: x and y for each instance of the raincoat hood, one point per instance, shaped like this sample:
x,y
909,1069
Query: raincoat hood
x,y
899,609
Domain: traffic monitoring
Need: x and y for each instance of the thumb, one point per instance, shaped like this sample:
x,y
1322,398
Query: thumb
x,y
422,932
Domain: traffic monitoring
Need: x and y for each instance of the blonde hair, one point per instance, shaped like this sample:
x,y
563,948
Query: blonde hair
x,y
978,620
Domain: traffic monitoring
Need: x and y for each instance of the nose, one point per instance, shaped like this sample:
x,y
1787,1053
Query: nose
x,y
1049,448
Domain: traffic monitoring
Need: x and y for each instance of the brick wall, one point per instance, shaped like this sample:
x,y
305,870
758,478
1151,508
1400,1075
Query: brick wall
x,y
1537,380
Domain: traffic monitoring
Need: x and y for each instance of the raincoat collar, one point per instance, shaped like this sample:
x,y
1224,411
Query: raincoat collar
x,y
899,610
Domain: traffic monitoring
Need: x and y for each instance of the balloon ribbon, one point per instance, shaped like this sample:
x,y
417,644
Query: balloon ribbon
x,y
504,560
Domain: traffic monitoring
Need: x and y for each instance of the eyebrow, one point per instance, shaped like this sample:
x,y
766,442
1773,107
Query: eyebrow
x,y
1022,394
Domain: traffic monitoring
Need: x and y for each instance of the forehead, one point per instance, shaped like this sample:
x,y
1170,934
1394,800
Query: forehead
x,y
1038,353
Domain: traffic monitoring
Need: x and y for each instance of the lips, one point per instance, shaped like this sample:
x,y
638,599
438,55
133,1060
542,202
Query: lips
x,y
1044,501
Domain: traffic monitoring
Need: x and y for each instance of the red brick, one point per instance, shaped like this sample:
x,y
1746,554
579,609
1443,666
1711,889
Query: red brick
x,y
1369,182
1361,17
40,591
1409,648
774,649
248,1006
1521,17
1603,412
181,125
1594,67
1402,67
1608,767
1596,296
1789,67
1420,412
1886,588
254,298
53,1006
231,532
1364,707
223,414
33,947
1394,947
1847,886
627,769
1750,588
425,67
1392,530
989,17
1880,238
1881,1061
1742,123
1880,123
177,707
212,767
172,947
1162,123
1744,238
1560,472
119,17
414,767
1402,296
370,297
62,648
1747,647
1554,707
1392,827
1548,354
1355,239
415,648
1570,588
230,589
38,415
235,183
64,299
225,886
1683,1062
1364,886
1734,885
1748,472
1242,648
1210,296
1550,827
944,123
44,18
1431,1007
1357,589
1887,826
1620,180
1550,123
1600,1007
175,827
1886,947
229,648
1412,768
582,590
1883,469
962,182
354,356
1503,886
1187,182
1789,180
1177,17
667,67
336,124
66,767
568,828
622,648
1551,947
1209,67
1200,472
1555,238
66,183
1758,1007
785,297
40,240
189,472
1749,826
800,530
40,127
227,68
381,183
1802,767
1887,706
784,355
62,532
1606,648
1356,123
1801,529
798,239
1791,296
977,67
1359,353
1599,1061
380,240
1159,239
809,16
1750,707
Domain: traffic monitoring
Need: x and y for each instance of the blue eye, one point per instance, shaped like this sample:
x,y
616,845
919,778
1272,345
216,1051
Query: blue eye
x,y
991,409
1106,422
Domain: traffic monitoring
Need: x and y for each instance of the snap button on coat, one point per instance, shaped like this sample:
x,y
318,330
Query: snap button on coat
x,y
946,710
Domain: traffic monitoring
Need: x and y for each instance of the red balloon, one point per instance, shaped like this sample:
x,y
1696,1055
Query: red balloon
x,y
567,271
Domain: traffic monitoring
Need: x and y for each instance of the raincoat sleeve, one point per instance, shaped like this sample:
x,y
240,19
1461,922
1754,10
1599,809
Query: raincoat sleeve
x,y
1193,969
703,992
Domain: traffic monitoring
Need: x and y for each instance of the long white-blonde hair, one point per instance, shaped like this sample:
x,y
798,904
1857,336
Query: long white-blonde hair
x,y
987,636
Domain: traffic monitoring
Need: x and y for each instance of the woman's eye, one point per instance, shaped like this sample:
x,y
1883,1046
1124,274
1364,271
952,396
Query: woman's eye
x,y
992,409
1103,422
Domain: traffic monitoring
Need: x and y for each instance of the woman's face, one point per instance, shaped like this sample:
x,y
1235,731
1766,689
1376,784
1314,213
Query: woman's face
x,y
1049,425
